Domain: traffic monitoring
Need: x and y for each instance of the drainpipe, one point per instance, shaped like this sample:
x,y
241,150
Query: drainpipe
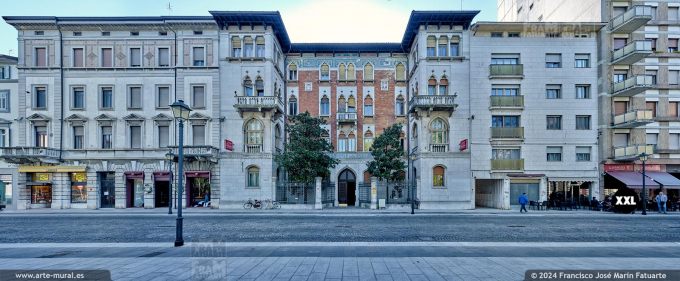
x,y
61,74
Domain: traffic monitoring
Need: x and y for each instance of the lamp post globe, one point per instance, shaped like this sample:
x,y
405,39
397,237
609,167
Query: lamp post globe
x,y
180,111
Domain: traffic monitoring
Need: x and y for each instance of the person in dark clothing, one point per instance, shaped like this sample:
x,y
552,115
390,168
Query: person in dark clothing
x,y
523,201
594,204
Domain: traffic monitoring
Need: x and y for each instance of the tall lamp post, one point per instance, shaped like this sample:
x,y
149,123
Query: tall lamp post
x,y
169,158
643,157
181,112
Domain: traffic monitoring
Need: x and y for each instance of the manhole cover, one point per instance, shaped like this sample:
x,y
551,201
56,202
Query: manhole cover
x,y
516,226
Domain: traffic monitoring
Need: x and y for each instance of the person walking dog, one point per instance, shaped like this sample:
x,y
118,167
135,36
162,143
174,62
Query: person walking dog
x,y
523,200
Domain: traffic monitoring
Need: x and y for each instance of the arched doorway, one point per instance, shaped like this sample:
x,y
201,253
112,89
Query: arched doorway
x,y
347,185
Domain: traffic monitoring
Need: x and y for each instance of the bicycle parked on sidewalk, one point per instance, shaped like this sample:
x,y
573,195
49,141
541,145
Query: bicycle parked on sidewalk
x,y
270,204
257,204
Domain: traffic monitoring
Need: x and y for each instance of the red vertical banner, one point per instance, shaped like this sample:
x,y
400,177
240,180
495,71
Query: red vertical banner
x,y
463,145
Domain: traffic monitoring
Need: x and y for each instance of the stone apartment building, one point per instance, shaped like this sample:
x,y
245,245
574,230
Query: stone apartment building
x,y
93,129
638,89
8,106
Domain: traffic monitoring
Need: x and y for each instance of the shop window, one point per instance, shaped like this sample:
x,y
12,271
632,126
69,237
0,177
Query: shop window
x,y
438,173
78,188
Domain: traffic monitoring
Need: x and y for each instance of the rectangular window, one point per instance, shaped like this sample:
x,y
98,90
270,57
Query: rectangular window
x,y
652,139
620,43
4,101
672,13
651,106
553,91
163,98
107,137
455,48
40,133
653,43
553,35
513,34
582,122
582,61
163,136
5,72
505,154
135,97
673,109
498,121
199,56
652,73
106,97
78,137
553,60
135,136
134,33
620,76
496,34
198,134
106,33
620,107
583,153
504,59
431,46
673,77
198,96
368,109
292,74
135,57
163,57
78,98
40,98
368,143
106,57
554,122
41,57
673,141
4,141
672,45
292,106
582,91
78,57
554,153
384,84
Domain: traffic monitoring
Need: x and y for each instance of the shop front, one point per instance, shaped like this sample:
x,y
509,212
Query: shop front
x,y
53,187
162,189
198,188
78,190
6,193
40,186
573,190
134,186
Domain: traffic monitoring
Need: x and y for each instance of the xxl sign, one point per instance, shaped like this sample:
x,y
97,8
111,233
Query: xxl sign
x,y
625,200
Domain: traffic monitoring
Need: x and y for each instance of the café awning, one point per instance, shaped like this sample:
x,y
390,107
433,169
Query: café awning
x,y
665,179
633,179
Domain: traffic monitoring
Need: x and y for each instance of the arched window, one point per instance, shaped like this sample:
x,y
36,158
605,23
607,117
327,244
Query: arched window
x,y
443,40
259,47
402,140
259,87
342,104
431,45
292,72
292,105
278,142
247,46
325,72
414,134
444,86
400,106
432,86
342,142
248,87
351,74
325,106
254,136
368,106
351,104
368,72
455,42
236,46
352,142
438,173
368,140
342,72
401,72
439,132
253,176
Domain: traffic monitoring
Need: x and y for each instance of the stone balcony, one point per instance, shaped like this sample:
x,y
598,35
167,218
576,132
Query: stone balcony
x,y
259,104
433,103
631,20
632,53
29,154
346,117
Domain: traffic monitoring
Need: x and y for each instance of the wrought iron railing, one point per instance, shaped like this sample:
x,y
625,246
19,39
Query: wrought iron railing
x,y
364,192
30,151
432,101
327,192
258,102
346,116
294,193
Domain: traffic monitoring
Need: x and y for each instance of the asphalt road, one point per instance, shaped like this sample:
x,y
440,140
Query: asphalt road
x,y
60,228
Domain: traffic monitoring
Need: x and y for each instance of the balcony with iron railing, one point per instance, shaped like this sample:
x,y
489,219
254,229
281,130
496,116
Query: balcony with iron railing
x,y
507,164
633,86
260,103
632,53
433,102
631,20
507,102
29,154
633,119
506,71
516,133
632,152
346,117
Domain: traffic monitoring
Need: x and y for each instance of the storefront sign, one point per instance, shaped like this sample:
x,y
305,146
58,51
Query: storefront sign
x,y
42,177
631,167
51,169
79,177
463,145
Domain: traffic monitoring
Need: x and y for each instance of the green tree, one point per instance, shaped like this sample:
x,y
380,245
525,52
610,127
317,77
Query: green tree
x,y
307,154
387,152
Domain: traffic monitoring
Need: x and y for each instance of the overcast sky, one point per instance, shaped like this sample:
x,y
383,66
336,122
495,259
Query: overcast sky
x,y
305,20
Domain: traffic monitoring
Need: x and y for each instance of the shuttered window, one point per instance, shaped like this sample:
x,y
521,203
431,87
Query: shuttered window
x,y
198,134
40,57
431,46
163,57
236,46
135,137
107,57
78,57
198,96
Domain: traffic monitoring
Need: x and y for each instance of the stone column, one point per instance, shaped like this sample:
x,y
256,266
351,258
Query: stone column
x,y
335,187
22,193
543,189
149,197
93,190
374,193
121,191
317,202
61,191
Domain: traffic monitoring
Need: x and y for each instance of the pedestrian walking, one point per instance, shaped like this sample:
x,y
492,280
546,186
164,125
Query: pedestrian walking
x,y
523,200
661,200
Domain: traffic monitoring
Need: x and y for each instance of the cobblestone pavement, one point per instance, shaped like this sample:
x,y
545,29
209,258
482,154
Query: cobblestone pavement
x,y
121,227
